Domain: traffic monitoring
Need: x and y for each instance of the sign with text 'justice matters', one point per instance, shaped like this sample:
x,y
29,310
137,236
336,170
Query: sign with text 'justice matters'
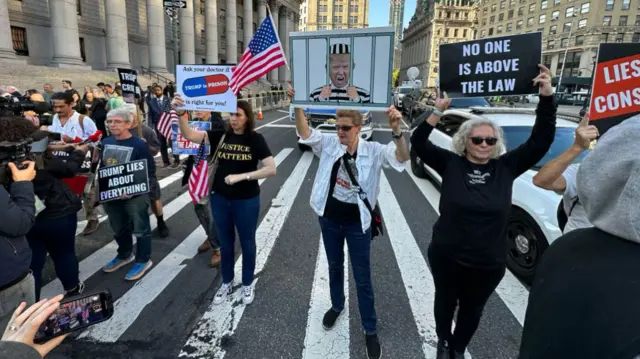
x,y
495,66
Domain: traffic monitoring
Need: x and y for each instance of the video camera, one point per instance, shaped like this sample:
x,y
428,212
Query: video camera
x,y
20,151
43,109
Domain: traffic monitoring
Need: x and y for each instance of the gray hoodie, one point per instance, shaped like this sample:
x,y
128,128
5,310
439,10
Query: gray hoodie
x,y
609,181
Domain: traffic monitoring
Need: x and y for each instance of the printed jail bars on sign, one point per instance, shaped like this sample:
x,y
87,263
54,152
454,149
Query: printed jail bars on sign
x,y
169,312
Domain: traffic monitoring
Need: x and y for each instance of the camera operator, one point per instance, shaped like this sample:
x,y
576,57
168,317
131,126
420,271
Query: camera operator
x,y
17,210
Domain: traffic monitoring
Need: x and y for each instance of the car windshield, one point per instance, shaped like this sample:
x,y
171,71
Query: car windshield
x,y
517,135
469,102
404,90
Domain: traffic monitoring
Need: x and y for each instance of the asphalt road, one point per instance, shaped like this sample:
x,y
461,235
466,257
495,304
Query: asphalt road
x,y
169,312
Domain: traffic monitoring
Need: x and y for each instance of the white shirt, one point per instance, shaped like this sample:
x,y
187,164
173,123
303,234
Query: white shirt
x,y
372,156
72,127
578,217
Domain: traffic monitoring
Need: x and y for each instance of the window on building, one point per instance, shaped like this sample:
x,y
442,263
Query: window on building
x,y
499,31
240,47
604,37
609,5
255,27
542,19
566,27
337,8
439,32
532,8
555,15
510,14
19,39
353,8
490,31
446,32
353,19
464,33
635,37
519,25
503,4
546,60
623,20
202,7
579,40
556,2
585,8
620,37
203,37
501,17
568,12
485,9
512,2
550,44
509,27
484,22
564,43
322,8
553,29
544,4
223,16
541,29
493,8
455,33
223,42
606,21
83,53
240,22
79,7
571,65
322,19
530,21
626,4
482,33
582,23
521,11
637,20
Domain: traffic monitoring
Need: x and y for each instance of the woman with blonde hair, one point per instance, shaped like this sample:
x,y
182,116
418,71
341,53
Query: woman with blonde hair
x,y
468,251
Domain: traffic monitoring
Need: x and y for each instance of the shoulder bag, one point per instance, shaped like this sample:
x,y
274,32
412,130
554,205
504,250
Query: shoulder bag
x,y
376,215
212,167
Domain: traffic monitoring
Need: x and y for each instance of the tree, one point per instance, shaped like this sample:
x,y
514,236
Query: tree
x,y
395,77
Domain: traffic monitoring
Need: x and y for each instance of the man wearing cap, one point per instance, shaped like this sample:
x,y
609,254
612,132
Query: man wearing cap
x,y
339,70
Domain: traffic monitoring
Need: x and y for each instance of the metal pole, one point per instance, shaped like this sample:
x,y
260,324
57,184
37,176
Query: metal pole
x,y
176,37
564,61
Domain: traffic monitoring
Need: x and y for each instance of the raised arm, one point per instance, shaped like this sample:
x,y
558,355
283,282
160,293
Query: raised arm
x,y
531,152
401,151
434,156
183,122
302,126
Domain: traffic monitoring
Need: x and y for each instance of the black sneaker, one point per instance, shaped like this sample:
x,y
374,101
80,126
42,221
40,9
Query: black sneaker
x,y
373,346
75,291
329,319
163,230
442,350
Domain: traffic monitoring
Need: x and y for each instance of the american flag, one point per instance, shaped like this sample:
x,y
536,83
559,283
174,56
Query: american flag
x,y
199,178
263,54
167,118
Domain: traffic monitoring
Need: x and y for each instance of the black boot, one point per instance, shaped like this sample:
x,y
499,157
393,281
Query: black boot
x,y
442,350
456,355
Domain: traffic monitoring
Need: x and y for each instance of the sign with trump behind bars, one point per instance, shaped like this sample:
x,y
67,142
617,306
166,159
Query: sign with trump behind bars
x,y
495,66
126,179
342,68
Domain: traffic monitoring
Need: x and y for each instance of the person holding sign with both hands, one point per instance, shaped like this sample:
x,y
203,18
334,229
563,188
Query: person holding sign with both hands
x,y
235,192
467,254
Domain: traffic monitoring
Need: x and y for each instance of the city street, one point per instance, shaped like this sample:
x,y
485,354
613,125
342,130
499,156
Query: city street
x,y
169,312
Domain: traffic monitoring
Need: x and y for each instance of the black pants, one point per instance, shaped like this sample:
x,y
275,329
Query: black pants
x,y
164,145
467,288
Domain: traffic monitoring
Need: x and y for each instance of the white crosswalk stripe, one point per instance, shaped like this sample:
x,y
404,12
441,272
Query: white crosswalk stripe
x,y
210,331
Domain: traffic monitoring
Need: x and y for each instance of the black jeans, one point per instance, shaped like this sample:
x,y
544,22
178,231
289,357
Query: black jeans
x,y
164,152
465,287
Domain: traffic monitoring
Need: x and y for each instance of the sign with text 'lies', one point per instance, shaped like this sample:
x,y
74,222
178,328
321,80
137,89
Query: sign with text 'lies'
x,y
127,179
495,66
615,95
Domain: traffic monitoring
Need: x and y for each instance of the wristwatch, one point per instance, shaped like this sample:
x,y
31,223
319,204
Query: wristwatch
x,y
396,136
437,112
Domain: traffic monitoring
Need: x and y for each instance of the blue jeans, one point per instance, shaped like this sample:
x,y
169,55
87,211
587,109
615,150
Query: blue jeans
x,y
359,244
230,215
58,237
127,218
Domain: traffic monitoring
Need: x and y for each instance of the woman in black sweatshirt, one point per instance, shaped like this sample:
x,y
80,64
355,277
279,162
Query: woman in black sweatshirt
x,y
468,251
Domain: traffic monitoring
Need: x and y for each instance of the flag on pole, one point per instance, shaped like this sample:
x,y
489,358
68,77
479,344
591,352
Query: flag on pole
x,y
263,54
199,178
168,118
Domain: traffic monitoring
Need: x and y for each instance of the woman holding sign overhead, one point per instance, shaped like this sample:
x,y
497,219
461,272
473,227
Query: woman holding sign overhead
x,y
235,192
468,250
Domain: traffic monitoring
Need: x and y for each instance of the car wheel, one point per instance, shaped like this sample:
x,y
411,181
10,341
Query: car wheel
x,y
526,245
417,167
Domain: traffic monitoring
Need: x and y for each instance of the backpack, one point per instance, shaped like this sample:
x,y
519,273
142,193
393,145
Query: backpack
x,y
562,215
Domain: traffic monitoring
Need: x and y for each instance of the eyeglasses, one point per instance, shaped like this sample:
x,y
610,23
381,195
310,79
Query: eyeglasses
x,y
489,140
115,122
344,128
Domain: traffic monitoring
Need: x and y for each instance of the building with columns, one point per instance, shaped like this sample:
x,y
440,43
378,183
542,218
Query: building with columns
x,y
435,22
107,34
333,14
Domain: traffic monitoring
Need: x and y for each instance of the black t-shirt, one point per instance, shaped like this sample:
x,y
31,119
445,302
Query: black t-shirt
x,y
238,154
475,199
342,202
584,299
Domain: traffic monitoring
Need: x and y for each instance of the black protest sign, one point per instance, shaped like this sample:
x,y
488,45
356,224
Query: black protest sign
x,y
127,179
86,164
615,93
495,66
129,84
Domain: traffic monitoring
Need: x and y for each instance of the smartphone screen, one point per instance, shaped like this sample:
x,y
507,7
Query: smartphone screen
x,y
75,314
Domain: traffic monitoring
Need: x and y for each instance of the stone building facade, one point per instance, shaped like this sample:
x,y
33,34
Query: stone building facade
x,y
106,34
435,22
333,14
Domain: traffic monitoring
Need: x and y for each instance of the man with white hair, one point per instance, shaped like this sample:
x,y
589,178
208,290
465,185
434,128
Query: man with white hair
x,y
128,215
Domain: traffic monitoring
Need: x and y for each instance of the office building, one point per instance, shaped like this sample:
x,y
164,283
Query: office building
x,y
396,14
333,14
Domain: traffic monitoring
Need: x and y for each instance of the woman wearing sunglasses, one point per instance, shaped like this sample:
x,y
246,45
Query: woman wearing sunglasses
x,y
235,192
468,251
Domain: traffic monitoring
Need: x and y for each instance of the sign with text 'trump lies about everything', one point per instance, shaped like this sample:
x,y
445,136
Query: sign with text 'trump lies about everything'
x,y
495,66
126,179
615,95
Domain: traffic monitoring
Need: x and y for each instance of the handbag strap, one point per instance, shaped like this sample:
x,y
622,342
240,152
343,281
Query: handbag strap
x,y
214,163
354,182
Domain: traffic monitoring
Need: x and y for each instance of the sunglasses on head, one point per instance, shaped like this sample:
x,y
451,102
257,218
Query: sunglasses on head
x,y
489,140
344,128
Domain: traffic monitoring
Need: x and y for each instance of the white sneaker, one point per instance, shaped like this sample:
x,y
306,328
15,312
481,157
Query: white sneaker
x,y
247,294
223,292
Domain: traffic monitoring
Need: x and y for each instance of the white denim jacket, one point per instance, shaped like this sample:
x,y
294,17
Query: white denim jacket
x,y
372,156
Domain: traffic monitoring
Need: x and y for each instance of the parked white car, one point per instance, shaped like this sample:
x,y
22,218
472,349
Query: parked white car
x,y
533,221
398,94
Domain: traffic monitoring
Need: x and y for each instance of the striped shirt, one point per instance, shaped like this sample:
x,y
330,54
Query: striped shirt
x,y
340,94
